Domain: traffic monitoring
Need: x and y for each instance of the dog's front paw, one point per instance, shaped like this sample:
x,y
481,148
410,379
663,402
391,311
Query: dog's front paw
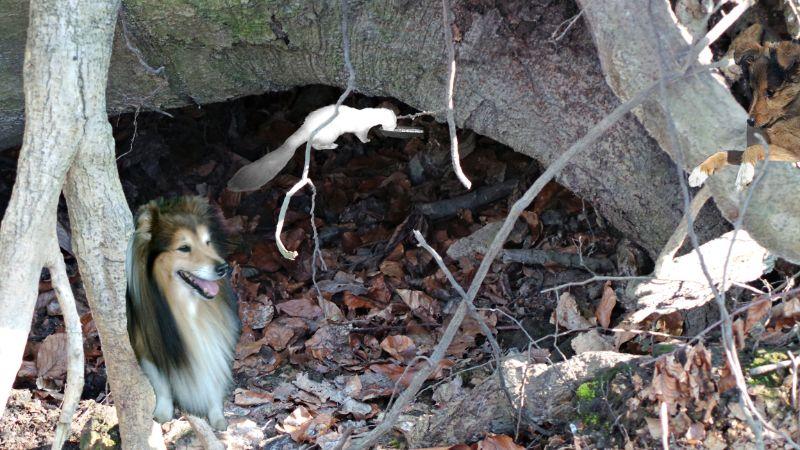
x,y
217,421
163,412
745,177
697,177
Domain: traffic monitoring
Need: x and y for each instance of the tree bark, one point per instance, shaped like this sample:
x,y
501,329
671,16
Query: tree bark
x,y
512,84
66,70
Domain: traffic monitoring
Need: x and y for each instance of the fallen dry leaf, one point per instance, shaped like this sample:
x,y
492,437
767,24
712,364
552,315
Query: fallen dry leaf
x,y
606,306
567,314
591,341
756,314
51,361
400,347
301,307
247,397
302,427
392,269
498,442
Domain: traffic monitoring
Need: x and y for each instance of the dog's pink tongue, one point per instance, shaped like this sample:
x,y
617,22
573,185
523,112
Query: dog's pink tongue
x,y
210,287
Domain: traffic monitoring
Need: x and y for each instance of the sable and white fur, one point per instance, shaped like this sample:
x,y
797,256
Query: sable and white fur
x,y
182,314
349,120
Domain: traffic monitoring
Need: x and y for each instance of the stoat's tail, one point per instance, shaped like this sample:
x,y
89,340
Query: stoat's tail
x,y
259,172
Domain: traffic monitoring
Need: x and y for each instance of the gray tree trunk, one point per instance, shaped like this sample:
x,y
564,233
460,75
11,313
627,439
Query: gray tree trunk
x,y
66,69
513,84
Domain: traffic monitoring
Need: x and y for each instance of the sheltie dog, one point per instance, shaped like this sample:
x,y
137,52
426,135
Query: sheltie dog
x,y
182,314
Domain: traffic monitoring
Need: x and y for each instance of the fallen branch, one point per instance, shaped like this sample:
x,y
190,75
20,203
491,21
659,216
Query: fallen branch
x,y
477,198
541,257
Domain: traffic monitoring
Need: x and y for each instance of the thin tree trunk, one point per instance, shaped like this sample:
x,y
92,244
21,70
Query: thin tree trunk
x,y
101,224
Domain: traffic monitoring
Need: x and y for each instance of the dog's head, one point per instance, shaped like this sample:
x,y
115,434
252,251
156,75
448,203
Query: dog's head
x,y
771,71
181,241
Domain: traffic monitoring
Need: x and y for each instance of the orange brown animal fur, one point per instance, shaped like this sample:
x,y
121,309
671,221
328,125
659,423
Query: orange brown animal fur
x,y
771,72
182,314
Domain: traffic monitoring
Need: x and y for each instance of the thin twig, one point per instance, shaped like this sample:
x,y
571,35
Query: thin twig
x,y
205,433
72,323
498,356
345,436
567,24
451,79
421,113
592,280
351,83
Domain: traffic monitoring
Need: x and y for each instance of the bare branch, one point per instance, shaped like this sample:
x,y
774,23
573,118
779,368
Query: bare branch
x,y
351,84
498,356
72,323
451,79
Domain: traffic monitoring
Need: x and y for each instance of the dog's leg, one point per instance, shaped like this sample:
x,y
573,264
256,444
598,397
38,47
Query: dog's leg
x,y
215,417
754,154
712,164
165,409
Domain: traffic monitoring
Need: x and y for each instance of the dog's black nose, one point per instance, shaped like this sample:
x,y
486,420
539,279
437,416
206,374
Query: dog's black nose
x,y
222,269
751,121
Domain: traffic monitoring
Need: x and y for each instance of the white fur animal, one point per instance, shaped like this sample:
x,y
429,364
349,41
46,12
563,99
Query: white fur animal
x,y
349,120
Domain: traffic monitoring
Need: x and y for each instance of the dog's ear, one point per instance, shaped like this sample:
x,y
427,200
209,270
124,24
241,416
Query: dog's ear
x,y
146,217
748,45
788,56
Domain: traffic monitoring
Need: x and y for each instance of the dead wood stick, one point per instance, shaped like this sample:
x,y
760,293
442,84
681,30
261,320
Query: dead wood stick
x,y
541,257
767,368
516,210
72,323
479,197
205,433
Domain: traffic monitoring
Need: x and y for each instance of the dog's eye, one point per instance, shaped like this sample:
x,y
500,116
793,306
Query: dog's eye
x,y
769,93
184,249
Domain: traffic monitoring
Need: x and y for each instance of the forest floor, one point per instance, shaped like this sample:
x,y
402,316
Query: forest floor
x,y
316,359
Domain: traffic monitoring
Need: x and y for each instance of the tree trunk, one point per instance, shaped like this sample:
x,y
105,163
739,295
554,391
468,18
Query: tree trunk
x,y
66,69
512,84
101,226
57,34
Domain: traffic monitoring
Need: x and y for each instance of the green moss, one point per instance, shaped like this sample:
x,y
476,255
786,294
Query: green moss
x,y
762,358
587,391
594,397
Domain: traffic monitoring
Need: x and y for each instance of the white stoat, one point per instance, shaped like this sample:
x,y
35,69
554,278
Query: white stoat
x,y
349,120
